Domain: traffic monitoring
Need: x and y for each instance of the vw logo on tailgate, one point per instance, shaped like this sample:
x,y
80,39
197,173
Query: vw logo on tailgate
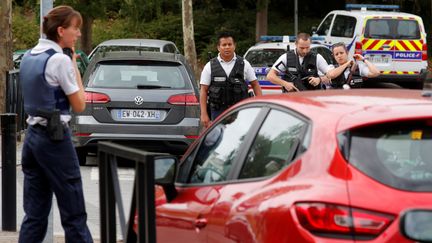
x,y
139,100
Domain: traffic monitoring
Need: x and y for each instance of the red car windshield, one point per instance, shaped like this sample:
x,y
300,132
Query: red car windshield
x,y
396,154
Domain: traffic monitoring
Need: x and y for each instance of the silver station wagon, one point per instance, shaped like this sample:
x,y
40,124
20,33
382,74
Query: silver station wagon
x,y
147,100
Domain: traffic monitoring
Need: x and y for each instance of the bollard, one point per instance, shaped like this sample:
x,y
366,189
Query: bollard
x,y
8,143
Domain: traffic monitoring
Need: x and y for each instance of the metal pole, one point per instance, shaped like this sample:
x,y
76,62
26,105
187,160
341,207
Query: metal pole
x,y
295,17
45,7
8,136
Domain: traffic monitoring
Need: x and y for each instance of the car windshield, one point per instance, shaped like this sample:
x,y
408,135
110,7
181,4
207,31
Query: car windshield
x,y
149,75
397,154
263,57
392,29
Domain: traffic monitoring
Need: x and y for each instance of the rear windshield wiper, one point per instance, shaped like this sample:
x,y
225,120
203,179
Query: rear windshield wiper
x,y
151,87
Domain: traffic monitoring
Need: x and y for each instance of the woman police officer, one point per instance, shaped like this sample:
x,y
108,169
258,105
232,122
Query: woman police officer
x,y
51,84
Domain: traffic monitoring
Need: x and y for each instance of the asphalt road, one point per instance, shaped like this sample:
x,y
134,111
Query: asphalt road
x,y
90,178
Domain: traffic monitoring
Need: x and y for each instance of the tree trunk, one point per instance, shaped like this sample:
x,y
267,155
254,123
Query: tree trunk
x,y
86,36
188,36
261,19
5,48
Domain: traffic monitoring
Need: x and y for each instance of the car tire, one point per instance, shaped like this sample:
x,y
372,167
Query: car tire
x,y
82,156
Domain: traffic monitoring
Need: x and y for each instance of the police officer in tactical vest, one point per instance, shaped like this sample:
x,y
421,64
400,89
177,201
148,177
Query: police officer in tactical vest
x,y
51,85
224,80
349,73
300,67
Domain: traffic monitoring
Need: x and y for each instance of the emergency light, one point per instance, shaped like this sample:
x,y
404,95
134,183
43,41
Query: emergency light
x,y
351,6
286,38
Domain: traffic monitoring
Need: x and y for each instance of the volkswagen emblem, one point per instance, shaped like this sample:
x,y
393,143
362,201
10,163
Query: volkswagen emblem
x,y
139,100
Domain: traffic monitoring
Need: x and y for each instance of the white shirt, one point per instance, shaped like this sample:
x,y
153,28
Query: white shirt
x,y
363,70
322,66
249,72
59,70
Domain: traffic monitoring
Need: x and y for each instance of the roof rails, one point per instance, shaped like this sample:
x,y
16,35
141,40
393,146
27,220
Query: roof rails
x,y
364,7
287,38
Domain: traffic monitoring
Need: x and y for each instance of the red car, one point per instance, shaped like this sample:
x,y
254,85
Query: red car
x,y
320,166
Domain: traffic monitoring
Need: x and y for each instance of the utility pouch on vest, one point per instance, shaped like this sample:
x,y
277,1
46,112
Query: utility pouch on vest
x,y
55,128
216,94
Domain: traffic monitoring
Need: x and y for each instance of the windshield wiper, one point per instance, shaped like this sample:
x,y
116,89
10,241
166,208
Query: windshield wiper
x,y
139,86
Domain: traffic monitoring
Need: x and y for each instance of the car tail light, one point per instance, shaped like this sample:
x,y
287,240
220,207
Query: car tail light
x,y
183,99
192,136
424,52
358,48
337,219
93,97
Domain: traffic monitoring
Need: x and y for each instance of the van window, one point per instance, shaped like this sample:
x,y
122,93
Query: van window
x,y
264,57
343,26
325,26
392,29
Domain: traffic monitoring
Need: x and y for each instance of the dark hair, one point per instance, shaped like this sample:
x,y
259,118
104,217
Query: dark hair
x,y
339,44
303,36
225,35
60,16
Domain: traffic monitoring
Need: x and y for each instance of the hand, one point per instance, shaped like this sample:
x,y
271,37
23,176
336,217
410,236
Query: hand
x,y
314,81
358,57
205,120
290,86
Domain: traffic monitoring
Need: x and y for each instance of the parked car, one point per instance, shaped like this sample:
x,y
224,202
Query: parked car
x,y
82,60
393,41
313,166
147,100
135,44
263,55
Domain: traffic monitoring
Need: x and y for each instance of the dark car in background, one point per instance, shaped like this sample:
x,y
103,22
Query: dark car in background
x,y
148,100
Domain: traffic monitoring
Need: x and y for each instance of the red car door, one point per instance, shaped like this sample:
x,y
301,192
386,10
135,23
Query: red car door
x,y
202,174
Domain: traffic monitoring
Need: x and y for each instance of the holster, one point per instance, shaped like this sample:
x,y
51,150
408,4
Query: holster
x,y
55,128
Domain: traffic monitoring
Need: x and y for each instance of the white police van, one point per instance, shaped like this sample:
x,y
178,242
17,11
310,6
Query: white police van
x,y
394,41
263,55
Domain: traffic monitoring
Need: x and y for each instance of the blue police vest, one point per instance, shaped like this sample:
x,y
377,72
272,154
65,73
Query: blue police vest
x,y
37,93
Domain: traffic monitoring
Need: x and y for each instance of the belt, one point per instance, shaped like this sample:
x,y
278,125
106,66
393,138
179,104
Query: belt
x,y
39,126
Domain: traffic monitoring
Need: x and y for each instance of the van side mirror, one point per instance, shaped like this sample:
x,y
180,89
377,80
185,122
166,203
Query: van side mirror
x,y
416,225
165,174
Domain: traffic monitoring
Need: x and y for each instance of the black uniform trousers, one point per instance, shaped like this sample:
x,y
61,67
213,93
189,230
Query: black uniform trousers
x,y
52,167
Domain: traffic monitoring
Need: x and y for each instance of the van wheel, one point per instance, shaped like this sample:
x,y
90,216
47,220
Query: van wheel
x,y
82,156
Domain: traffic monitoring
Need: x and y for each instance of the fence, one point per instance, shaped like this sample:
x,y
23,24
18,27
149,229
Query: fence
x,y
14,99
143,199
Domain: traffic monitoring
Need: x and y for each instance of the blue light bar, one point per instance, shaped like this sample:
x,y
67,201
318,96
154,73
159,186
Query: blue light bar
x,y
351,6
286,38
277,38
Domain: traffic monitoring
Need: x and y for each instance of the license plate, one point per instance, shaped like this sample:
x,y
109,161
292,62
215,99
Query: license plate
x,y
138,114
380,58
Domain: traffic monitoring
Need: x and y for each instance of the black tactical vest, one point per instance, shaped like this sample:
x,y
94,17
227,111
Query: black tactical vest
x,y
225,91
295,71
354,80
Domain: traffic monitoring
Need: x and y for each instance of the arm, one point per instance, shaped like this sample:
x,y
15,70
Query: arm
x,y
274,78
373,71
77,99
205,120
334,73
256,87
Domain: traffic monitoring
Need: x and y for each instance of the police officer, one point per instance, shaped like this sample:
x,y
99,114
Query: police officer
x,y
348,73
51,84
223,80
300,67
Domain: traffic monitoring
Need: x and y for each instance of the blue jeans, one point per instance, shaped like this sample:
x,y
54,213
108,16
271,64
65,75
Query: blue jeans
x,y
52,167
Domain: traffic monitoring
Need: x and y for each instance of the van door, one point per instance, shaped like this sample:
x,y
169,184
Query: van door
x,y
394,44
